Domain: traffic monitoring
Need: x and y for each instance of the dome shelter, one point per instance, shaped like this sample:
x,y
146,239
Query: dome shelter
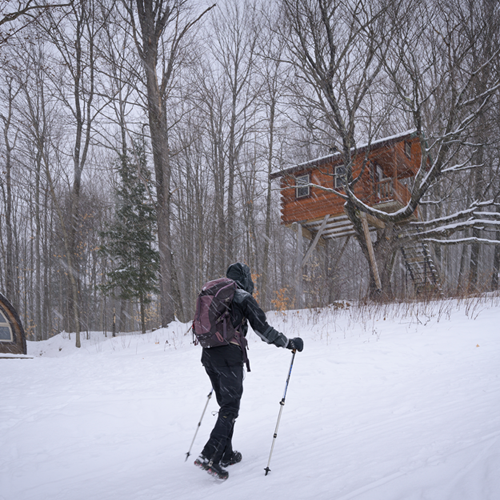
x,y
12,336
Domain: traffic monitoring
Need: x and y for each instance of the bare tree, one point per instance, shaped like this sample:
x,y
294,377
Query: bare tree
x,y
338,51
448,90
234,50
274,74
74,37
347,52
25,13
9,91
159,29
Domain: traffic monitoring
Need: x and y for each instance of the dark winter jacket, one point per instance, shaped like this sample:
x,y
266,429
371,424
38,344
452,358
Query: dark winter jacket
x,y
244,310
245,307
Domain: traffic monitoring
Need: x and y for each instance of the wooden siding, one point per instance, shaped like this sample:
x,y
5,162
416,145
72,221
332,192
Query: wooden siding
x,y
388,193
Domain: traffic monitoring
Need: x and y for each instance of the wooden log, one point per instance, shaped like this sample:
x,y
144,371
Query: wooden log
x,y
299,292
315,241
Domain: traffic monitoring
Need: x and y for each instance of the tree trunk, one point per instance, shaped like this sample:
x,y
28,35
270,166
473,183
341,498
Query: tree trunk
x,y
154,17
496,261
385,253
10,287
267,238
143,315
477,178
38,260
359,235
159,141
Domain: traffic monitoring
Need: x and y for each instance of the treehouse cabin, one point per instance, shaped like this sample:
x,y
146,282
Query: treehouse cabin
x,y
389,167
385,169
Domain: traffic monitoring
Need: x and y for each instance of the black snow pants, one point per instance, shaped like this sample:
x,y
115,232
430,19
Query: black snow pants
x,y
224,366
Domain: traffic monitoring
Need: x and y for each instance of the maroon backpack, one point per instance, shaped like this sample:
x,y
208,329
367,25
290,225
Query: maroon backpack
x,y
212,325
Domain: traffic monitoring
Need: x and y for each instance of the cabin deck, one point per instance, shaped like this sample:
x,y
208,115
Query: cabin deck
x,y
339,226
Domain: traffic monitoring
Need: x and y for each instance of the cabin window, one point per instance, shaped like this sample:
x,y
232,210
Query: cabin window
x,y
379,173
339,177
5,329
408,149
302,188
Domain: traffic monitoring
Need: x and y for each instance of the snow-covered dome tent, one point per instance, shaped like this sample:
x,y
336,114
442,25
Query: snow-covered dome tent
x,y
12,337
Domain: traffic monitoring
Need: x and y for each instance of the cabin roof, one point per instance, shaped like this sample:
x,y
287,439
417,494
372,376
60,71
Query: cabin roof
x,y
336,157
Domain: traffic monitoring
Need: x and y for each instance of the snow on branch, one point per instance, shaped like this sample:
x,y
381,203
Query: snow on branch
x,y
461,167
449,229
473,211
464,241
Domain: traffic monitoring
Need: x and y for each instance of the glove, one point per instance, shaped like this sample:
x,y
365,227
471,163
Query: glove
x,y
296,344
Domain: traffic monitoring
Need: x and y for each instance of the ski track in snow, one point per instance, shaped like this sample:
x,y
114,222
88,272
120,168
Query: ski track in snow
x,y
379,407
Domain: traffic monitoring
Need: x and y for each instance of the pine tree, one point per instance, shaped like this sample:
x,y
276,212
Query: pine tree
x,y
129,241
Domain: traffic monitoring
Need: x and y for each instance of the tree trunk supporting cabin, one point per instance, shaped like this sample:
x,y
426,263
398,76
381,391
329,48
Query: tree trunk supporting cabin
x,y
299,289
371,253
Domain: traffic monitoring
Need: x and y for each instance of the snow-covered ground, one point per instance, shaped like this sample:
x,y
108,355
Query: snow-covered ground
x,y
389,403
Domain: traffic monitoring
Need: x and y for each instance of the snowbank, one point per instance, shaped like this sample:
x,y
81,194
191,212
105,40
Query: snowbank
x,y
390,402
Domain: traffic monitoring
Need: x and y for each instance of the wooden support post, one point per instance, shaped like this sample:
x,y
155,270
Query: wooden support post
x,y
315,241
371,253
299,291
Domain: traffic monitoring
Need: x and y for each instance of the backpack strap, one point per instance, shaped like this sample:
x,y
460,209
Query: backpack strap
x,y
242,342
240,339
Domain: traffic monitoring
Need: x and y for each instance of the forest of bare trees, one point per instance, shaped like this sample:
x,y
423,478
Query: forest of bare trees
x,y
221,95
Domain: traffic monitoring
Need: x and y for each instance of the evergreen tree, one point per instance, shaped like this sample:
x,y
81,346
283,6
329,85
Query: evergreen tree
x,y
130,239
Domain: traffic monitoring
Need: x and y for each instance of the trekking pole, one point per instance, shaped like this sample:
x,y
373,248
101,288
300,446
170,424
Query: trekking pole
x,y
199,423
282,403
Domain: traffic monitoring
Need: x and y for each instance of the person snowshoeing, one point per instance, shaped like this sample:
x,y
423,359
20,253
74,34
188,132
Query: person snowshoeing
x,y
224,366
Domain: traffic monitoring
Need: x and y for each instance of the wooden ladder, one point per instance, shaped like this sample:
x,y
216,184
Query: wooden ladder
x,y
419,264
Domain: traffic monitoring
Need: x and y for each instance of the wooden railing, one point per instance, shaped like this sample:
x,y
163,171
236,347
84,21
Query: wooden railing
x,y
384,190
390,189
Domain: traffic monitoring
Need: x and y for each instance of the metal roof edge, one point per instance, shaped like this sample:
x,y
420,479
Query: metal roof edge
x,y
332,158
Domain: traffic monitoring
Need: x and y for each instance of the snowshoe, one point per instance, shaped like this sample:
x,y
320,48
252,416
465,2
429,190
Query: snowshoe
x,y
202,462
234,458
213,469
217,471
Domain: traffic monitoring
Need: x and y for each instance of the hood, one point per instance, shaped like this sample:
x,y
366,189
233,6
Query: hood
x,y
242,275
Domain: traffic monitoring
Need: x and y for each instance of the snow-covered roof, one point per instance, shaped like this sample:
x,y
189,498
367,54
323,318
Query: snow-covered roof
x,y
333,157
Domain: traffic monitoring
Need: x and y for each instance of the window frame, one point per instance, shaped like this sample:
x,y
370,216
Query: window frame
x,y
4,323
338,182
300,185
407,148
